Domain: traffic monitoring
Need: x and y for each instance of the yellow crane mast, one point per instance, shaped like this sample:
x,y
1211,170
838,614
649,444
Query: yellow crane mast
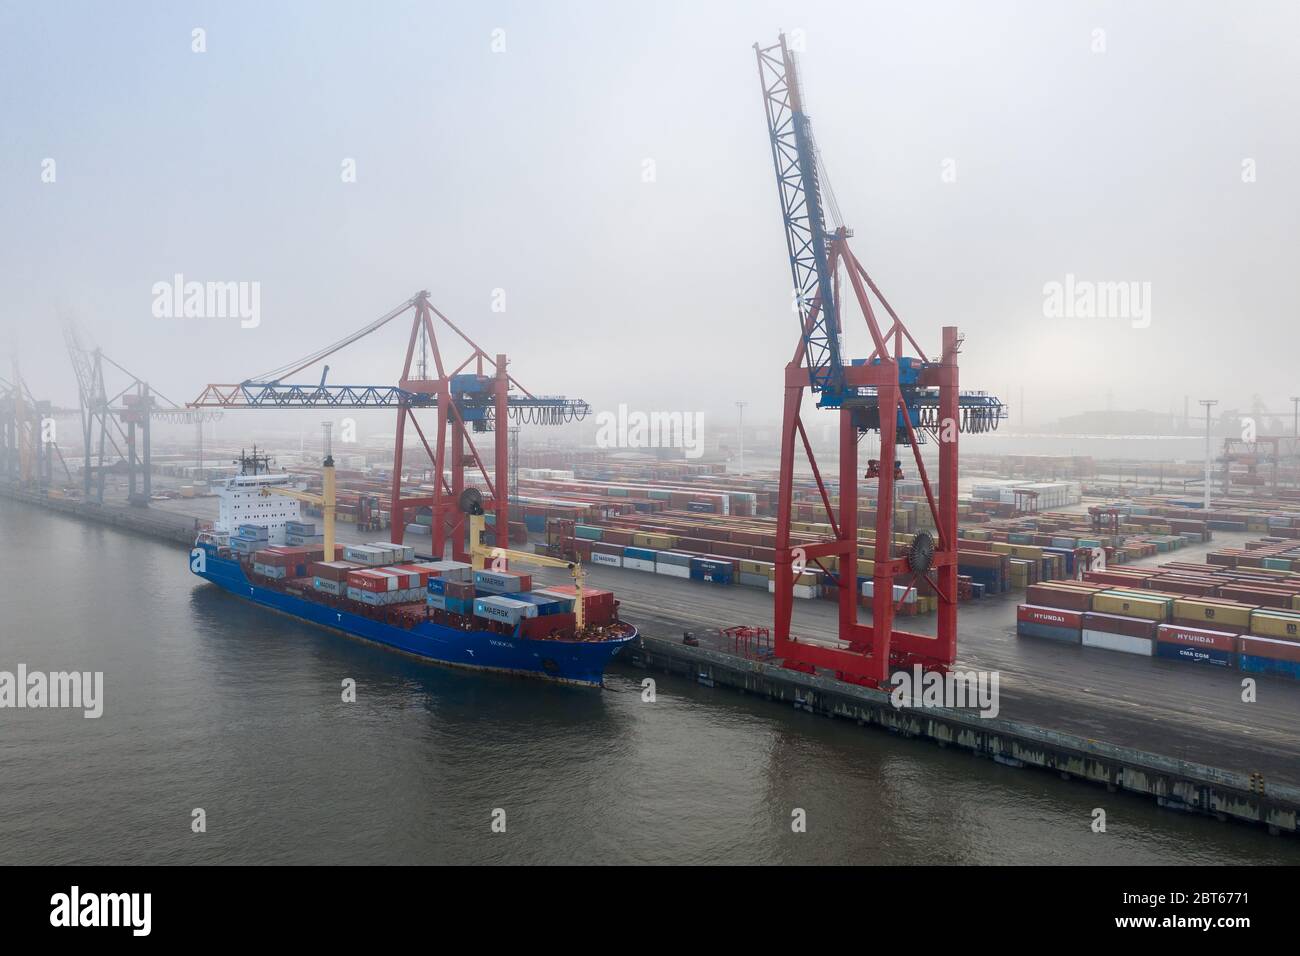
x,y
473,506
325,501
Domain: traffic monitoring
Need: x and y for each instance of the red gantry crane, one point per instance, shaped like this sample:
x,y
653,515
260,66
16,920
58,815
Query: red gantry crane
x,y
471,398
903,397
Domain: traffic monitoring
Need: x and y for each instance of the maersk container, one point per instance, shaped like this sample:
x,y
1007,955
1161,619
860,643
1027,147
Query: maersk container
x,y
503,609
501,582
328,587
365,554
270,571
609,560
1195,655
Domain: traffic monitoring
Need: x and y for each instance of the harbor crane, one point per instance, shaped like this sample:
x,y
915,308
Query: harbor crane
x,y
115,423
904,396
477,396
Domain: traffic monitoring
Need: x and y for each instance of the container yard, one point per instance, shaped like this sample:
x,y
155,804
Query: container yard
x,y
369,500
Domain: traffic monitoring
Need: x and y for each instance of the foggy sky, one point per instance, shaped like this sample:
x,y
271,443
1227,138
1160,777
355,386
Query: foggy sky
x,y
524,171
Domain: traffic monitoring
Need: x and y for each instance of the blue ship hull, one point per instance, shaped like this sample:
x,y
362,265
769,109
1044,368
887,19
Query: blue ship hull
x,y
570,662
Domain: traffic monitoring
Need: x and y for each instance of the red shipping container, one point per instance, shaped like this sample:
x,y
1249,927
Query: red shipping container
x,y
1269,647
371,580
421,574
1057,595
1051,616
332,571
1119,624
1197,637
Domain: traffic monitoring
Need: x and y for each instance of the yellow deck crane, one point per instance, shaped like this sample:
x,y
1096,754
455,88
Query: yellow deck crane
x,y
325,501
471,503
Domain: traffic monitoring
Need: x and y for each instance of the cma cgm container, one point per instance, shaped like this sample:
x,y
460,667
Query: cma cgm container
x,y
1051,623
713,570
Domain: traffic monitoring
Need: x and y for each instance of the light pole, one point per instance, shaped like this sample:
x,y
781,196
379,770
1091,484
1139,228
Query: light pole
x,y
1207,404
740,406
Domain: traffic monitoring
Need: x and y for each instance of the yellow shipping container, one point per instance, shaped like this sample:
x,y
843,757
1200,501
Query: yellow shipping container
x,y
807,577
1213,612
1129,605
1271,623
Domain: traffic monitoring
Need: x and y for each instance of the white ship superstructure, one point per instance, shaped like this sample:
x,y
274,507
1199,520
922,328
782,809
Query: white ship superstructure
x,y
241,502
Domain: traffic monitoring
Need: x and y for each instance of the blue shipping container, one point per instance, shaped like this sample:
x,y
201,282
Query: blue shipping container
x,y
1269,665
720,576
641,554
1196,655
1068,635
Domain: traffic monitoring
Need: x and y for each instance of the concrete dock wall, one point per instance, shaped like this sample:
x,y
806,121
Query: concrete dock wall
x,y
1176,784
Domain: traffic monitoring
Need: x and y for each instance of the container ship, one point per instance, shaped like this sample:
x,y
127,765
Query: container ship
x,y
489,618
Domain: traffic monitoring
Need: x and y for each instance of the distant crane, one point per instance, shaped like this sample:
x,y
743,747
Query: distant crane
x,y
27,437
473,397
901,397
115,428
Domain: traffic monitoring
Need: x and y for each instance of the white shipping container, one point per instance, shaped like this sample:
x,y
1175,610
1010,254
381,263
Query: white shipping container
x,y
641,564
869,590
804,591
612,560
673,570
1119,642
449,570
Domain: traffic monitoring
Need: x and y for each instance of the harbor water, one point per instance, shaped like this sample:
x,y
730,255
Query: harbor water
x,y
213,705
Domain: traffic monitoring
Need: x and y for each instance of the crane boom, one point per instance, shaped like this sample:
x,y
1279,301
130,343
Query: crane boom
x,y
794,157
